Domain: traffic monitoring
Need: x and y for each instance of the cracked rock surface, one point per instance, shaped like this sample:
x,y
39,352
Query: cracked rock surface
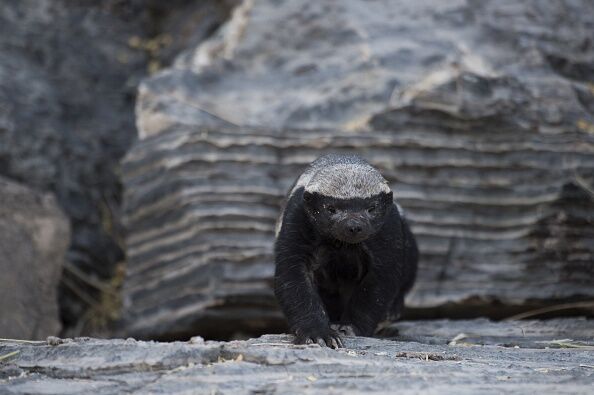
x,y
553,356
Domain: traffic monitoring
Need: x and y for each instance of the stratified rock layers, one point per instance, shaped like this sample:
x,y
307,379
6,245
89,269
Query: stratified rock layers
x,y
498,217
480,114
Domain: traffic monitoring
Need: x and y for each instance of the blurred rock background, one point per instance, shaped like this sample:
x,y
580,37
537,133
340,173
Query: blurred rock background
x,y
34,236
68,78
480,113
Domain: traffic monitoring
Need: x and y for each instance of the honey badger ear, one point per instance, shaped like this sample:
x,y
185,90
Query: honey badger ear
x,y
388,197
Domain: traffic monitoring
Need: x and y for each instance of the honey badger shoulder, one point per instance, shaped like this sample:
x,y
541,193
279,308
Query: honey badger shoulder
x,y
345,256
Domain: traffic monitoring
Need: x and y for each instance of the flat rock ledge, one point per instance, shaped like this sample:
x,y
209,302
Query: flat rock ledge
x,y
447,357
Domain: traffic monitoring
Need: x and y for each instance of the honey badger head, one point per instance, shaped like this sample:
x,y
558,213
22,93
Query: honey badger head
x,y
346,198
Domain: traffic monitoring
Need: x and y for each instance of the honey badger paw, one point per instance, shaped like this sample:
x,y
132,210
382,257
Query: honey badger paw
x,y
324,337
344,330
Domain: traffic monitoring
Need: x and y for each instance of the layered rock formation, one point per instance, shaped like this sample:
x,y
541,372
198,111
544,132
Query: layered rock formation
x,y
34,237
480,114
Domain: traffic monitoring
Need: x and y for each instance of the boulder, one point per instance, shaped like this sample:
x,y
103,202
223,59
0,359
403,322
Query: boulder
x,y
201,206
479,113
34,237
337,65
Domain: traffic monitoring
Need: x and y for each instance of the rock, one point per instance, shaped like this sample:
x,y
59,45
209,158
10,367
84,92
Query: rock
x,y
66,103
479,113
523,334
201,207
271,364
54,341
68,78
200,235
181,25
34,237
337,65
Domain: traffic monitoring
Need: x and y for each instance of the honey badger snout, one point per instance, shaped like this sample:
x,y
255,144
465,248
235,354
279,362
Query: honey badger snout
x,y
354,228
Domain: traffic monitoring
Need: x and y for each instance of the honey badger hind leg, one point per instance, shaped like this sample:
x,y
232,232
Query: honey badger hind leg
x,y
387,328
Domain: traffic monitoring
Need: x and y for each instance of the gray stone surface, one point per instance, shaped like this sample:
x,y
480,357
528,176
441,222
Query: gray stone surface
x,y
294,63
430,363
559,332
34,237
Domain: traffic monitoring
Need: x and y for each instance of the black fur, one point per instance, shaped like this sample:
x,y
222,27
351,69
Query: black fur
x,y
323,278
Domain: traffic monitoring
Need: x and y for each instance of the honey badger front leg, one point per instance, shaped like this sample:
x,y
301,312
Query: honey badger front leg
x,y
298,297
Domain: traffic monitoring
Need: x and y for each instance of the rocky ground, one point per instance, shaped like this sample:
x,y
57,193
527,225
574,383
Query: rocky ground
x,y
461,357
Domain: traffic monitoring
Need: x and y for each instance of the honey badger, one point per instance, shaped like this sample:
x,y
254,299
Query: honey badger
x,y
344,253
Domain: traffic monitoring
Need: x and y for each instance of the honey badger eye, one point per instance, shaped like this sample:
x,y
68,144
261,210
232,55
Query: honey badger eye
x,y
371,209
331,209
